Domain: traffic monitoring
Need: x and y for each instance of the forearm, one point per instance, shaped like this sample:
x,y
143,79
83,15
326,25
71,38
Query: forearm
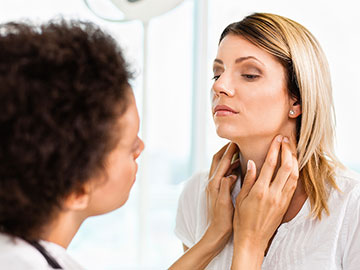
x,y
201,254
247,255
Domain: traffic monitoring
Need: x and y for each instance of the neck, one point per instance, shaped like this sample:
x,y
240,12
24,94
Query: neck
x,y
63,228
255,150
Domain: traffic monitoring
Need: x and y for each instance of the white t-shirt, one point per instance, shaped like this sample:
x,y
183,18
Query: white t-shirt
x,y
16,254
301,244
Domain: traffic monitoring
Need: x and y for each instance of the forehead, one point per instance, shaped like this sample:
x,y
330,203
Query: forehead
x,y
129,121
236,46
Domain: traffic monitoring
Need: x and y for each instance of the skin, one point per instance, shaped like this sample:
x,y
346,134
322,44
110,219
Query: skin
x,y
259,209
106,192
252,83
250,129
110,191
262,203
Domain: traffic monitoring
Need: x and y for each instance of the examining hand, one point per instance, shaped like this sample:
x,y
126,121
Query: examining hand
x,y
262,203
220,210
260,207
220,206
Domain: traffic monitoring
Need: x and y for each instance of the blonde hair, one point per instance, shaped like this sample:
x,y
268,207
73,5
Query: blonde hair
x,y
309,82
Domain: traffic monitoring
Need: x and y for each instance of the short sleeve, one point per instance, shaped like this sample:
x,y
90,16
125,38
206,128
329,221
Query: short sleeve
x,y
351,258
187,216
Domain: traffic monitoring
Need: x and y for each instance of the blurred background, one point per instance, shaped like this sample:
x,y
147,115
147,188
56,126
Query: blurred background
x,y
176,49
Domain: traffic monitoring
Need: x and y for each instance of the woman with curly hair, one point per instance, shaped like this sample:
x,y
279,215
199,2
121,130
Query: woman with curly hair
x,y
69,145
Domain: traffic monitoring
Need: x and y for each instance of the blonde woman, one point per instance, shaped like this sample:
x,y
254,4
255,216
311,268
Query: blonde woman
x,y
271,77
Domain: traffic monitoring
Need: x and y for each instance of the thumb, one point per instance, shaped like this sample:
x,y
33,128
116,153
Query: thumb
x,y
249,180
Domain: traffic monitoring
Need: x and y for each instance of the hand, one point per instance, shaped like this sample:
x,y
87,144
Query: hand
x,y
221,181
221,211
262,203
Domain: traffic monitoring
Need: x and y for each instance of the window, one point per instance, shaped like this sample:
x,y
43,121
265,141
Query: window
x,y
336,26
140,234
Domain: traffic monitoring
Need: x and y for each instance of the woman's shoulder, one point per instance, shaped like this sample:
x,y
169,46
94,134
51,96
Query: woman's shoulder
x,y
197,182
347,197
193,193
17,254
348,182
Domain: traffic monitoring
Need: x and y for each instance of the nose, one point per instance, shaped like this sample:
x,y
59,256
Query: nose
x,y
140,149
223,85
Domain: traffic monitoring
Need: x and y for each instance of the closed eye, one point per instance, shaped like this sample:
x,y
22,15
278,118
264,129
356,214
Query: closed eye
x,y
250,77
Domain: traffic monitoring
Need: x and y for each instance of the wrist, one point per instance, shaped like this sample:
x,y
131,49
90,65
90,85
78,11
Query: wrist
x,y
247,254
249,240
216,239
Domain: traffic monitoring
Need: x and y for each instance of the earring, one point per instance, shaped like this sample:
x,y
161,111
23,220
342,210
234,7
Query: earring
x,y
292,112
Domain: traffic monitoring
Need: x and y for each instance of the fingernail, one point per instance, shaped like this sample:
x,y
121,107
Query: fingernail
x,y
286,139
233,177
279,138
249,165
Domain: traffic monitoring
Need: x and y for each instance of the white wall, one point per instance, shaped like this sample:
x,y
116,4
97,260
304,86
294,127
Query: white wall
x,y
337,27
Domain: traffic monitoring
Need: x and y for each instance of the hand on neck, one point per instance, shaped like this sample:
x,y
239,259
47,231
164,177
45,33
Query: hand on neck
x,y
255,148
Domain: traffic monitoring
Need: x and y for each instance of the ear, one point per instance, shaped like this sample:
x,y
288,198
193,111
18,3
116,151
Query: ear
x,y
79,199
295,108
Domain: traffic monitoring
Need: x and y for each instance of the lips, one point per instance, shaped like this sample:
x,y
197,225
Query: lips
x,y
223,110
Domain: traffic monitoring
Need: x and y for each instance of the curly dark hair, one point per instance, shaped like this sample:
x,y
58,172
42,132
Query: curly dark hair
x,y
63,87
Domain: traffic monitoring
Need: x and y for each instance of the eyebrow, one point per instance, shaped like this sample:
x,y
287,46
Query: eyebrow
x,y
239,60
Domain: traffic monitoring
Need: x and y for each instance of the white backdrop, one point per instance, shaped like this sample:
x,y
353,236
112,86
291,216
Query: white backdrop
x,y
337,27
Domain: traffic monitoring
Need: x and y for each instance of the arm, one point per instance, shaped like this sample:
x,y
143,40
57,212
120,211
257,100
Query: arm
x,y
261,205
220,213
201,254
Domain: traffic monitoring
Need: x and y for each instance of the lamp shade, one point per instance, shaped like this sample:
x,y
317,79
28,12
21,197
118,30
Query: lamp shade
x,y
144,10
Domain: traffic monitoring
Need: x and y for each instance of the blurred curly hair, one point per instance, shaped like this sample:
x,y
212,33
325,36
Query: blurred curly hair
x,y
63,87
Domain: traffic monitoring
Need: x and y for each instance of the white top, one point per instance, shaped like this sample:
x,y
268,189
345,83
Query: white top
x,y
301,244
17,254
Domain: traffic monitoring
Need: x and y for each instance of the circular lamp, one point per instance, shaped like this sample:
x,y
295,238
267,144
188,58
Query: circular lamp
x,y
144,10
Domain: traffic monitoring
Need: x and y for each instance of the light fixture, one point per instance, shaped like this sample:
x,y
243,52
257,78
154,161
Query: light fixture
x,y
144,10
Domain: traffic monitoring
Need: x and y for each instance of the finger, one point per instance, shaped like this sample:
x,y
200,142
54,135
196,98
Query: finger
x,y
249,181
225,188
217,157
291,183
224,164
267,170
286,167
232,169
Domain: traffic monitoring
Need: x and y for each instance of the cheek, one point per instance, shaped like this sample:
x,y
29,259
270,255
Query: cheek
x,y
121,179
261,113
120,176
124,172
267,101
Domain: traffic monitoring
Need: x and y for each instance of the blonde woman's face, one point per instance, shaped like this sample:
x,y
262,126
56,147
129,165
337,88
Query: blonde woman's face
x,y
249,94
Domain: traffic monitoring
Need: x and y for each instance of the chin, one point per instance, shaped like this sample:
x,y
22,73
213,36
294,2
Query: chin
x,y
123,201
227,132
